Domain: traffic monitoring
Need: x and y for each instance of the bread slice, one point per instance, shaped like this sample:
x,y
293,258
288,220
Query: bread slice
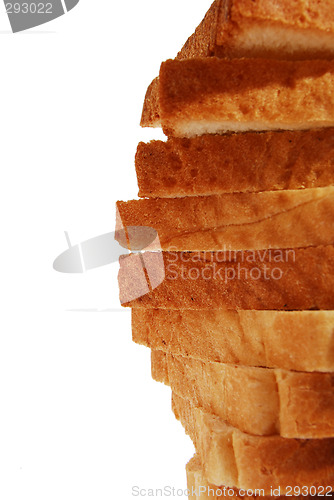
x,y
270,339
298,279
259,401
239,460
213,96
200,489
240,221
249,162
265,28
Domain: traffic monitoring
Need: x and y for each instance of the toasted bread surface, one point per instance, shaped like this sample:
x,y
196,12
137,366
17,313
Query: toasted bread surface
x,y
239,460
249,162
250,338
285,279
239,221
259,401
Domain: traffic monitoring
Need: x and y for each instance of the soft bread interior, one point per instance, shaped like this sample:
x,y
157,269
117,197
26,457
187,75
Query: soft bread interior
x,y
195,128
284,42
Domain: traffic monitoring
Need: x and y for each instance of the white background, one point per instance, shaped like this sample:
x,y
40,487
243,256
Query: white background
x,y
80,417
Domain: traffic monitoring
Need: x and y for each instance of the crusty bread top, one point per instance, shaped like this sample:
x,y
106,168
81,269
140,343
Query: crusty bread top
x,y
189,80
270,28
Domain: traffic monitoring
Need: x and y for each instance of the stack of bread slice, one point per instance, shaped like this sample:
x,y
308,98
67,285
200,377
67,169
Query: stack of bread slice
x,y
241,196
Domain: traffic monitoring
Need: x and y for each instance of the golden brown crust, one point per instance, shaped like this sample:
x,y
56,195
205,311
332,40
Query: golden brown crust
x,y
222,30
236,459
250,162
151,112
199,487
258,401
240,221
304,280
244,94
279,25
202,43
250,338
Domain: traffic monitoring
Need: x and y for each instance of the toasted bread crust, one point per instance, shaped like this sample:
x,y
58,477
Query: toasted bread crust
x,y
222,29
304,280
202,43
241,221
151,112
197,96
276,462
250,162
258,401
250,338
281,29
240,94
